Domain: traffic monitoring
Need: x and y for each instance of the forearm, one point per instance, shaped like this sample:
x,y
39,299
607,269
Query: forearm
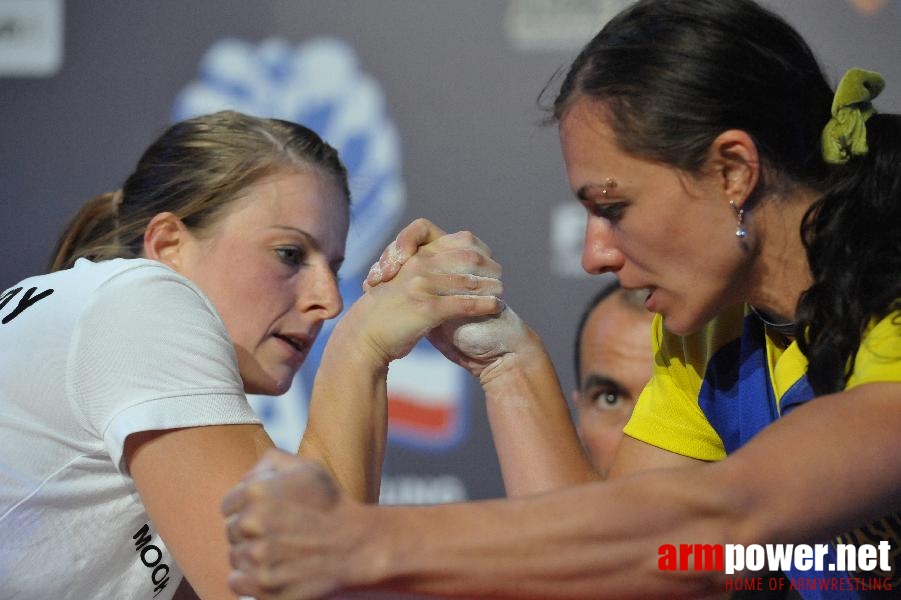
x,y
602,540
534,435
347,423
826,468
550,546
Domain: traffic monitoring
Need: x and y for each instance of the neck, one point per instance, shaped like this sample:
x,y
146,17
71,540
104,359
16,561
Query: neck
x,y
787,329
780,272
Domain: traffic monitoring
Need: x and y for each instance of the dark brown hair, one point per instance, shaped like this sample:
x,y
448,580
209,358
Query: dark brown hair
x,y
674,74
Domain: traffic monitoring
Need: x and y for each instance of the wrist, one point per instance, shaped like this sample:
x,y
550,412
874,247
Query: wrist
x,y
353,346
376,558
528,355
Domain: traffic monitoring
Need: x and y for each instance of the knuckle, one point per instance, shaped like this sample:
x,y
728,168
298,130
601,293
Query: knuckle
x,y
418,229
473,240
256,492
418,282
244,584
470,282
267,578
471,256
468,236
484,305
470,306
258,552
428,303
249,525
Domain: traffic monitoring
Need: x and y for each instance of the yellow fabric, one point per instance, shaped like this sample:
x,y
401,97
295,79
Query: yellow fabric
x,y
879,357
786,367
667,414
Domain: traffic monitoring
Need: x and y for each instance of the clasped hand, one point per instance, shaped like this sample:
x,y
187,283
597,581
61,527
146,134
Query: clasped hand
x,y
290,530
435,278
477,342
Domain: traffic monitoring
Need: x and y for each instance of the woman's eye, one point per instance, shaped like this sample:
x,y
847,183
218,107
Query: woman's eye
x,y
290,255
612,212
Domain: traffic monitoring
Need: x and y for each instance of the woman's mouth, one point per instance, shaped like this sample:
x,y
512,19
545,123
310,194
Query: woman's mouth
x,y
649,301
300,345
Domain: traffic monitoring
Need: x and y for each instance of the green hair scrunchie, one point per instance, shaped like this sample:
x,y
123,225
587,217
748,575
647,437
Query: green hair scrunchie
x,y
845,134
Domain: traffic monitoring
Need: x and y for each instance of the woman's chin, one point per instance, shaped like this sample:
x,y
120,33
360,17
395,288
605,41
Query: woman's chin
x,y
274,384
680,324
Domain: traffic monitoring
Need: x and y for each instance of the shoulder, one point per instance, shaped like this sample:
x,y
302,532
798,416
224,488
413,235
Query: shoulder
x,y
132,278
143,308
885,331
668,414
140,289
147,337
105,289
879,356
140,274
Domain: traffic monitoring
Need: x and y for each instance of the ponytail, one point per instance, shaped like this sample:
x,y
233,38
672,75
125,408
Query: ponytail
x,y
853,240
91,234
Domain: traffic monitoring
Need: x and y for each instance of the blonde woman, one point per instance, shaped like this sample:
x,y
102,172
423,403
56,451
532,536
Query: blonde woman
x,y
123,372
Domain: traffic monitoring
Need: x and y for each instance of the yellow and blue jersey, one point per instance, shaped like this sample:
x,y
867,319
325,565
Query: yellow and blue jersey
x,y
712,391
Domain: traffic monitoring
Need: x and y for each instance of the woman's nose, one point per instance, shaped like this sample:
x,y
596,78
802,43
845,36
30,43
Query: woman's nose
x,y
319,292
599,251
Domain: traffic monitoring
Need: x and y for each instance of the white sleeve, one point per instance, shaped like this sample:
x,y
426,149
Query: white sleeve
x,y
149,353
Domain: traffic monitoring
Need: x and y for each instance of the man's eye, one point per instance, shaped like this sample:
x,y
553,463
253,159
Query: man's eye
x,y
290,255
605,399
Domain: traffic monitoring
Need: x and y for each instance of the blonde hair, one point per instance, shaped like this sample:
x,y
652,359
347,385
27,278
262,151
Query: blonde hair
x,y
194,170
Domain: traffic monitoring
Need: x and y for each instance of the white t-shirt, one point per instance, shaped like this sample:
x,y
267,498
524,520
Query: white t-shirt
x,y
89,356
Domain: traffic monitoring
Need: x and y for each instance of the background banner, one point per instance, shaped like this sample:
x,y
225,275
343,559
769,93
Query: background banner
x,y
434,106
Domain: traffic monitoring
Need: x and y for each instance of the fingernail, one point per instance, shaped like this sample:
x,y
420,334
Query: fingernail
x,y
375,274
394,255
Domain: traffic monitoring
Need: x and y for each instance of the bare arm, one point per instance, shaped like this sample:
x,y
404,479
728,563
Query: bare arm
x,y
181,475
452,276
549,546
843,447
347,423
534,435
633,456
537,445
544,546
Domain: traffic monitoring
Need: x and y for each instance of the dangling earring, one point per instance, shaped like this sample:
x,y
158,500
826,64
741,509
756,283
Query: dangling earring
x,y
740,232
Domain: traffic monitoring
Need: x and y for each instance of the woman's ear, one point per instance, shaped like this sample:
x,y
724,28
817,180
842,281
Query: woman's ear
x,y
165,238
735,158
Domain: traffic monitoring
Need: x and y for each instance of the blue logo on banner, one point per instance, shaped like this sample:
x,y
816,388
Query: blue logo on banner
x,y
319,83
